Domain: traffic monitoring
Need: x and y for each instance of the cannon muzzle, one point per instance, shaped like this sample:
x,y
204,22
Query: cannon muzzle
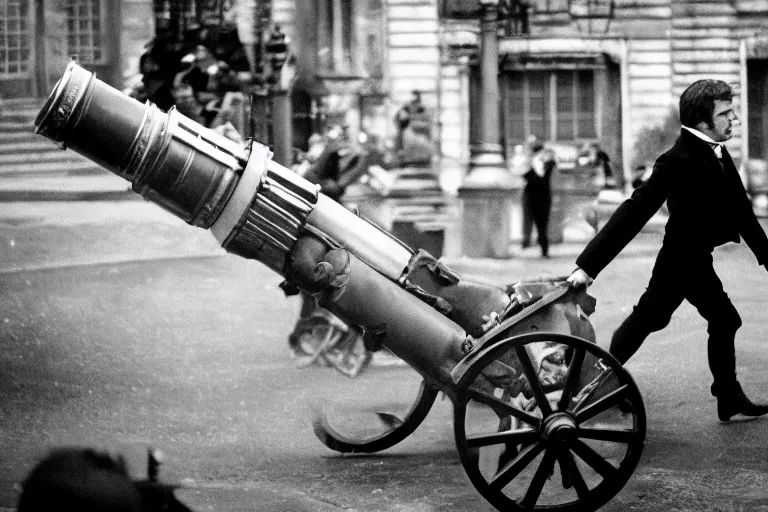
x,y
165,156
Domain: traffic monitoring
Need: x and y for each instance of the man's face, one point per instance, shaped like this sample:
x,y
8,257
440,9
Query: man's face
x,y
722,118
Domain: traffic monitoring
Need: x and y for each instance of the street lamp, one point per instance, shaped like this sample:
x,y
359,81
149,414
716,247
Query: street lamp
x,y
276,51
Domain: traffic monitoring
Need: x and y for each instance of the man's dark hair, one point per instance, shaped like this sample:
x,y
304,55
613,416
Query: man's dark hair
x,y
697,103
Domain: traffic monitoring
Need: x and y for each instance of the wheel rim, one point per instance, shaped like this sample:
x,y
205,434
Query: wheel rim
x,y
401,429
548,421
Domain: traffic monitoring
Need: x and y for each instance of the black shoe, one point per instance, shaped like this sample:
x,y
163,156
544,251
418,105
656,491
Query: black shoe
x,y
734,404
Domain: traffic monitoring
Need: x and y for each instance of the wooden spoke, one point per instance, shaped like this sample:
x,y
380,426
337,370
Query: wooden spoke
x,y
533,379
503,407
564,463
515,466
539,479
610,400
606,434
513,437
571,379
582,490
594,459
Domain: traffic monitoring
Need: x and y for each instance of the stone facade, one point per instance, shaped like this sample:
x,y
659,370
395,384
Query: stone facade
x,y
109,39
642,57
652,49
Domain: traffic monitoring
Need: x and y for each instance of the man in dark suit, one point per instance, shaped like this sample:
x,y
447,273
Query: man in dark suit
x,y
707,208
537,197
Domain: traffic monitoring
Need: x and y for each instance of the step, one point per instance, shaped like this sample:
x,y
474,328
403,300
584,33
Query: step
x,y
21,136
16,126
43,156
19,117
25,110
75,167
104,187
36,144
15,102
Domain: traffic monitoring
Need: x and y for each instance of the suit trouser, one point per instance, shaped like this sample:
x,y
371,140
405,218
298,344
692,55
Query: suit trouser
x,y
674,279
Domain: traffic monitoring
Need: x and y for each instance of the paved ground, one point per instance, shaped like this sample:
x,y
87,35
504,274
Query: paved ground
x,y
109,340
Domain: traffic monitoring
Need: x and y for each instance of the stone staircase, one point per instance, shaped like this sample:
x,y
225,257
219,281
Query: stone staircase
x,y
34,168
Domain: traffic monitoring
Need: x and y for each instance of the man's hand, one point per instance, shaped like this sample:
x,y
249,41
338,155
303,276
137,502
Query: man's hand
x,y
579,278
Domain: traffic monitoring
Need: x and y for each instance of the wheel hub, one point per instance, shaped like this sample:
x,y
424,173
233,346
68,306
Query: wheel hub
x,y
559,426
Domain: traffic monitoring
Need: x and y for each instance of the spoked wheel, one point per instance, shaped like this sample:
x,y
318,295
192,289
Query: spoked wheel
x,y
548,421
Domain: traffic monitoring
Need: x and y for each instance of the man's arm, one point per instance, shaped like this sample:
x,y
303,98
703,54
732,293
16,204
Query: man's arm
x,y
752,232
627,221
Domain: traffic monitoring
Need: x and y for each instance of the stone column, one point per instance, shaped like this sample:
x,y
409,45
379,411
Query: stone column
x,y
486,158
282,126
490,193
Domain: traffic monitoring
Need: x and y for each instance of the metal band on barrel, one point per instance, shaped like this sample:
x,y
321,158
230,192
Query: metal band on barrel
x,y
275,217
242,197
62,110
142,141
213,207
158,140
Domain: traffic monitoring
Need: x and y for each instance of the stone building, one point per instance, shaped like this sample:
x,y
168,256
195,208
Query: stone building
x,y
572,71
38,37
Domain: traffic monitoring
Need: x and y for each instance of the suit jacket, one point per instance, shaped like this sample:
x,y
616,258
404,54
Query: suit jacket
x,y
707,203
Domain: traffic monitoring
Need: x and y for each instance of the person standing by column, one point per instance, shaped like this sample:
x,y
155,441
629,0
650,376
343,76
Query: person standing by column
x,y
537,196
708,207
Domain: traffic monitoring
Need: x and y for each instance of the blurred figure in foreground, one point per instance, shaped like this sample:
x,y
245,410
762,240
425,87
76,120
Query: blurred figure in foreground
x,y
86,480
82,480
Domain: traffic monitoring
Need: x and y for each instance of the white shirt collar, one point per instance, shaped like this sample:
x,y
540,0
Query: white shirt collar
x,y
716,146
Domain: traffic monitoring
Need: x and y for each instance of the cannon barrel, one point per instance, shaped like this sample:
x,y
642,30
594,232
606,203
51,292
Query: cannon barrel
x,y
255,208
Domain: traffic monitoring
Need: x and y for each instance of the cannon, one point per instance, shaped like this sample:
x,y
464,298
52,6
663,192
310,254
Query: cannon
x,y
531,389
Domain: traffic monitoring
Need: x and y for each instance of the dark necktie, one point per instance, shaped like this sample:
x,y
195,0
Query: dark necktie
x,y
720,151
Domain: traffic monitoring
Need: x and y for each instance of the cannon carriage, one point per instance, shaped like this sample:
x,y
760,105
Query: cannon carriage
x,y
531,390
